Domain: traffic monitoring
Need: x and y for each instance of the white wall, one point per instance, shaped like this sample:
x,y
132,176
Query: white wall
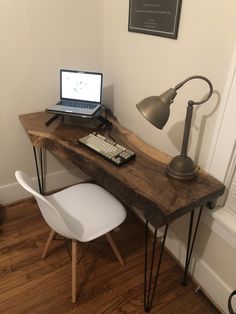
x,y
138,65
37,38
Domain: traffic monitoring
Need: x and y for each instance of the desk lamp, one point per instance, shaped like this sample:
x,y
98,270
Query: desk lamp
x,y
156,109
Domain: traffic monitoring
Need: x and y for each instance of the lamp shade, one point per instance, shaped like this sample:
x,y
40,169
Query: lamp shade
x,y
156,109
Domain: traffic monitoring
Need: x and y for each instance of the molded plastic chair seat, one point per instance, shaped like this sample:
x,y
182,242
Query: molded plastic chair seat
x,y
89,210
81,212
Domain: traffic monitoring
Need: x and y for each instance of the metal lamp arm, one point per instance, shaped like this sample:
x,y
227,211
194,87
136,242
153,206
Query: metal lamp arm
x,y
191,102
189,112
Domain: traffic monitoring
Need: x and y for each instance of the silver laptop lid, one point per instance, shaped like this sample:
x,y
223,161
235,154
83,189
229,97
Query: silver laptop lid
x,y
81,86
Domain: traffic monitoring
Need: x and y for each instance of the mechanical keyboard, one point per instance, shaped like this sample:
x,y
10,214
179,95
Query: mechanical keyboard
x,y
107,148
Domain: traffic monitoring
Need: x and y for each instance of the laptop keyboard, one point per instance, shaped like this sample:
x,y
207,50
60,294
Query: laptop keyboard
x,y
78,104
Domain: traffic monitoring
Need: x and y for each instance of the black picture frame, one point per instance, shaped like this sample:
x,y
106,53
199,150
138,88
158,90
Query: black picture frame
x,y
155,17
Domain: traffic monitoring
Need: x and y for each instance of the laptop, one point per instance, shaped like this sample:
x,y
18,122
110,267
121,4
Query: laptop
x,y
80,93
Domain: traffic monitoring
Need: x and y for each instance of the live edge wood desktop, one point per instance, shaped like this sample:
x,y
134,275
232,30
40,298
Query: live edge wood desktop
x,y
141,183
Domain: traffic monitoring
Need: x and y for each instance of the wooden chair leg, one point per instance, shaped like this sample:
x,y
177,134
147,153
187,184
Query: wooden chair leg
x,y
74,270
114,248
50,238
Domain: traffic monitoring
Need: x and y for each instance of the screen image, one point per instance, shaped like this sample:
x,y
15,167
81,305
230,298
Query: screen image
x,y
81,86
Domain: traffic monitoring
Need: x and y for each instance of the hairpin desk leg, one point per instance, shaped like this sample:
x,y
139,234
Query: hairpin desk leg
x,y
190,245
38,158
149,291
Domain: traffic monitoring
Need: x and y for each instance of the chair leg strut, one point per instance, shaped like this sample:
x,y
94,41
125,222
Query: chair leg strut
x,y
49,241
114,248
74,270
149,291
190,245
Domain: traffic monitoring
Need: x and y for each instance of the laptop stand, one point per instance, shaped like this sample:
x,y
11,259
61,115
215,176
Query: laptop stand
x,y
53,118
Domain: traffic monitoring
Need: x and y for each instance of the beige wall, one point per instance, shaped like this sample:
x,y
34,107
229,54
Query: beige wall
x,y
37,38
139,65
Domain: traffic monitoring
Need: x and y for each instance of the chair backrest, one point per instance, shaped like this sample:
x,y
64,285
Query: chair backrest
x,y
49,212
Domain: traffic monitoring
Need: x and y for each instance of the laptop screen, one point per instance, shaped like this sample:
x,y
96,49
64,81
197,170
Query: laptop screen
x,y
81,86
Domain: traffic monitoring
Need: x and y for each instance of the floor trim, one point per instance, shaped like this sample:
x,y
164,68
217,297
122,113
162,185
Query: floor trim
x,y
14,192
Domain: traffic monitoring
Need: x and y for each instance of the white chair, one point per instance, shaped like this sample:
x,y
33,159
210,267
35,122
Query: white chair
x,y
81,212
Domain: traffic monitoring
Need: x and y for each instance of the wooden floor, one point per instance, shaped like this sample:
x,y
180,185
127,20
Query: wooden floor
x,y
31,285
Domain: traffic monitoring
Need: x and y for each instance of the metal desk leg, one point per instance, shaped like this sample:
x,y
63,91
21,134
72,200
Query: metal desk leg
x,y
38,158
149,291
190,245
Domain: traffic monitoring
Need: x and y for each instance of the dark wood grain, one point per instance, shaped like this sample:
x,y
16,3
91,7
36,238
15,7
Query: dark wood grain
x,y
31,285
142,183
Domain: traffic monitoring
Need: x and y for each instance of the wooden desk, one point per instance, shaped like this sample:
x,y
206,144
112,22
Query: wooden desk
x,y
141,183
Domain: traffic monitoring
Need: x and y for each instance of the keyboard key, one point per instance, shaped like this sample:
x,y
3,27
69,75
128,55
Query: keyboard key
x,y
78,104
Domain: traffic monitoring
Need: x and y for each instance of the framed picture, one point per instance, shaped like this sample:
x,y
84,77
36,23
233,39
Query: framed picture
x,y
155,17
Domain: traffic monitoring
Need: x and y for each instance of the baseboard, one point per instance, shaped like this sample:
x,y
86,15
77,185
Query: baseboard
x,y
209,282
217,291
14,192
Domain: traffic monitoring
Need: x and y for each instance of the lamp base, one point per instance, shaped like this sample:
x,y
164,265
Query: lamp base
x,y
182,168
